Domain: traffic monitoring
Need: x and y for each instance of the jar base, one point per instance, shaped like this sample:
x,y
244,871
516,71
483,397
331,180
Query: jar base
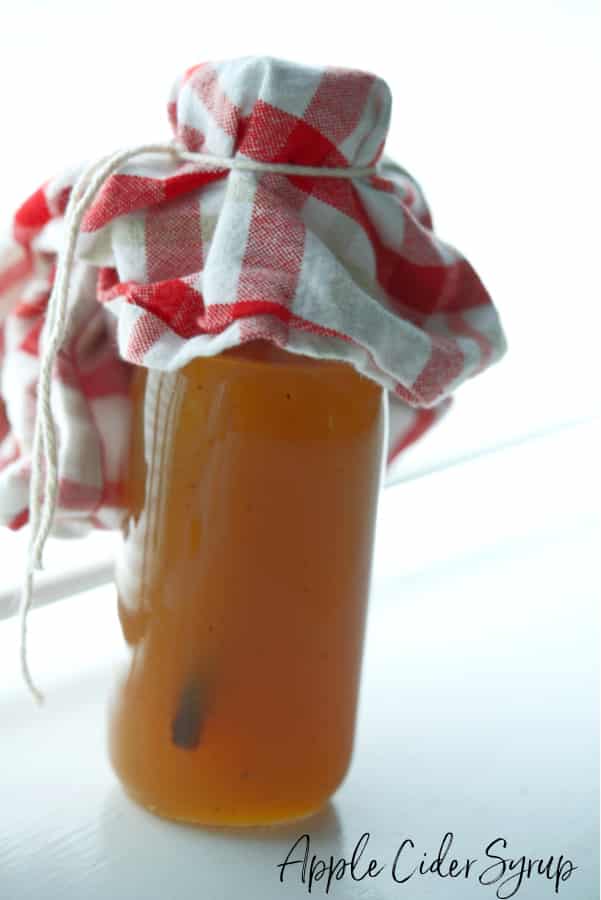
x,y
216,820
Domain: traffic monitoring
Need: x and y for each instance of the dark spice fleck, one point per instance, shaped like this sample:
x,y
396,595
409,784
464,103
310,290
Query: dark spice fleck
x,y
187,723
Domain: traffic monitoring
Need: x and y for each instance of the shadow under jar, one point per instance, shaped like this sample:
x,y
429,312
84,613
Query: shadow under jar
x,y
243,584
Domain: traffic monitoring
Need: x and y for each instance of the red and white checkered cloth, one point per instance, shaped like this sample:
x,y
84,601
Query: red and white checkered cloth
x,y
176,262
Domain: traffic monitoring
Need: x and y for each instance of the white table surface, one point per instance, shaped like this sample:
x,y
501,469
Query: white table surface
x,y
478,715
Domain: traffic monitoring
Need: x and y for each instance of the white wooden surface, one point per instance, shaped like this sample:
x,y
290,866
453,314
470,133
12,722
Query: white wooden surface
x,y
479,711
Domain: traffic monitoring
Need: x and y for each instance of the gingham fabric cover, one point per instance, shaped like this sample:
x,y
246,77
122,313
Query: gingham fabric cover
x,y
176,262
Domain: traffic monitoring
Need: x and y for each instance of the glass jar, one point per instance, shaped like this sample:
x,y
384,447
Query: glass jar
x,y
242,590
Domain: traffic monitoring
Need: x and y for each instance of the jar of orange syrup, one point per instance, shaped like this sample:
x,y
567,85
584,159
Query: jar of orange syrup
x,y
253,485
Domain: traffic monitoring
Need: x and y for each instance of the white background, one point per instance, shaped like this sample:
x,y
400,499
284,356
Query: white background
x,y
496,113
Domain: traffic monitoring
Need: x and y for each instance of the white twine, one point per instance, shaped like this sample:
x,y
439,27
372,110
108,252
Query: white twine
x,y
44,470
